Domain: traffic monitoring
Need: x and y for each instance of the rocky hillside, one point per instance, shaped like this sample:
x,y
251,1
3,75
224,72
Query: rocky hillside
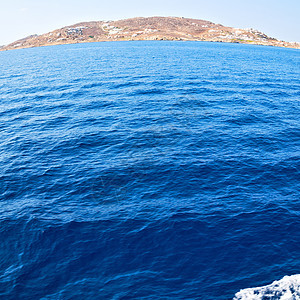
x,y
153,28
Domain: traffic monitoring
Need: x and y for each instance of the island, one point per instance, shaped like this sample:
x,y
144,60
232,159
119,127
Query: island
x,y
151,28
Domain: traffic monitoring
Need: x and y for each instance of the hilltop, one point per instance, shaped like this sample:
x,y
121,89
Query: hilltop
x,y
152,28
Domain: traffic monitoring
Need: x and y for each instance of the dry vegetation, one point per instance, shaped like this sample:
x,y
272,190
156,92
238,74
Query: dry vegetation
x,y
153,28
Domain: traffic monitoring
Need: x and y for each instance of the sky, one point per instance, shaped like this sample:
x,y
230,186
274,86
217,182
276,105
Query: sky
x,y
276,18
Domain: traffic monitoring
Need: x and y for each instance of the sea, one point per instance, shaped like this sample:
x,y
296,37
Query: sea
x,y
148,170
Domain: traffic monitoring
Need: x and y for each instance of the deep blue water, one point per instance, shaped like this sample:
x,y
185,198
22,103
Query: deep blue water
x,y
148,170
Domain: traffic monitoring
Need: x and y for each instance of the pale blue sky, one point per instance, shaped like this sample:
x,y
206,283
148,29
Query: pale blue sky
x,y
20,18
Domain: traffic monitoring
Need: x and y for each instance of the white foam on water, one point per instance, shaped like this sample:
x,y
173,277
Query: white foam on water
x,y
288,288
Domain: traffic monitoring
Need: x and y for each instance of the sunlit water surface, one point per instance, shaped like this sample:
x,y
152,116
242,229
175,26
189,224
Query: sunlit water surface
x,y
147,170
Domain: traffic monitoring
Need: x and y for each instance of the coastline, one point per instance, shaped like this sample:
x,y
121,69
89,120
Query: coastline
x,y
4,49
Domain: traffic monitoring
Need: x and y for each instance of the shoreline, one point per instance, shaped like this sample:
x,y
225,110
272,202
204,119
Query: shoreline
x,y
3,49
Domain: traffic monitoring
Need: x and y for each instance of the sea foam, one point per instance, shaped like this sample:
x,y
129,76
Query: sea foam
x,y
288,288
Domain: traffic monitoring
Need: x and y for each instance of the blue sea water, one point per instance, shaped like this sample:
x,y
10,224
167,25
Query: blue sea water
x,y
148,170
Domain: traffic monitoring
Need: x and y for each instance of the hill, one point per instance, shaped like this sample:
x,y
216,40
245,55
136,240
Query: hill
x,y
152,28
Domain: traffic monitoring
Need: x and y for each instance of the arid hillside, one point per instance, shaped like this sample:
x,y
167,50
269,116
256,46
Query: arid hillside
x,y
152,28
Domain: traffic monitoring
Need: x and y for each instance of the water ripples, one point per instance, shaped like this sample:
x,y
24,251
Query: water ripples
x,y
137,176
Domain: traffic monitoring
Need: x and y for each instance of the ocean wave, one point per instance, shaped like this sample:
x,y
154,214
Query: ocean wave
x,y
173,175
288,288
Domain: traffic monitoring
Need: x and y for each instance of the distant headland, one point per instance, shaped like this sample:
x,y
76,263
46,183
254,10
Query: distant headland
x,y
152,28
